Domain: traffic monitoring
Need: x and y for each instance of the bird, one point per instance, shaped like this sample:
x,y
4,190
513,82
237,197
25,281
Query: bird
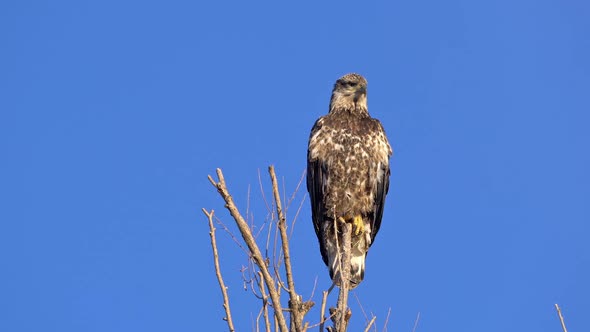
x,y
347,176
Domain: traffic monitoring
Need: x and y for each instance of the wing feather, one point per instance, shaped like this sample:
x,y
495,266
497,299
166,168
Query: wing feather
x,y
382,179
381,192
317,183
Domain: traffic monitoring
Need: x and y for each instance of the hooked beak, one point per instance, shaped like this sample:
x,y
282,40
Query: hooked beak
x,y
361,91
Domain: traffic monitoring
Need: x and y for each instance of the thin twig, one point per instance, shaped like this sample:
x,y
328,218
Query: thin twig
x,y
297,188
264,303
268,209
315,284
361,306
560,318
370,324
416,322
387,319
283,230
248,209
251,281
323,310
294,299
228,318
276,257
256,254
231,235
284,186
258,318
323,318
266,250
297,215
280,281
306,326
260,229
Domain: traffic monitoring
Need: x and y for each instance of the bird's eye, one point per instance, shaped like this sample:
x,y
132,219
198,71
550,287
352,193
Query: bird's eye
x,y
353,84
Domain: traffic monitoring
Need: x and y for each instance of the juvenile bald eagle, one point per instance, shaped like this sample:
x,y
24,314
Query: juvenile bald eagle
x,y
347,175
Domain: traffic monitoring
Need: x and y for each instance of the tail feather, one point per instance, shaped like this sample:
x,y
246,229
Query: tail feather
x,y
360,246
357,269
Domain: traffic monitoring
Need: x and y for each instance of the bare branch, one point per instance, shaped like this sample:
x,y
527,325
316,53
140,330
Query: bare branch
x,y
306,326
387,320
345,278
323,318
315,284
253,280
248,209
415,322
296,216
362,308
256,254
280,281
211,180
268,237
370,324
228,318
560,318
268,209
264,304
283,230
323,310
297,188
297,309
342,312
231,235
300,204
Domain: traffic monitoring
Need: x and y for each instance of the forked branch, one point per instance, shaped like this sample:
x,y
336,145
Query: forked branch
x,y
252,246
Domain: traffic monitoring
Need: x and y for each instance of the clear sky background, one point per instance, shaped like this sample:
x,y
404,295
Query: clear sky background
x,y
113,113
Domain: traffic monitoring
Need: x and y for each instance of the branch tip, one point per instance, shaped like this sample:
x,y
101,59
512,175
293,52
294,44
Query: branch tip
x,y
211,180
560,317
222,286
370,324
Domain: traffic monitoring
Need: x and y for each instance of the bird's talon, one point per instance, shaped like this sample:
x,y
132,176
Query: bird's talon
x,y
358,225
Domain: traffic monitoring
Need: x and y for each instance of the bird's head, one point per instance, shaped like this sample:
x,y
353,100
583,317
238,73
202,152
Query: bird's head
x,y
350,93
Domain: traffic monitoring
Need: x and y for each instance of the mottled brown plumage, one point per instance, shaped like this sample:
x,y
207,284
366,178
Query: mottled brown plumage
x,y
347,175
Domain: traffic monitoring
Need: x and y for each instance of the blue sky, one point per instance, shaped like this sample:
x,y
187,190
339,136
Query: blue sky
x,y
114,113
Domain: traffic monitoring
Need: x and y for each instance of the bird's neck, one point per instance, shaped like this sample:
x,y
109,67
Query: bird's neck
x,y
354,110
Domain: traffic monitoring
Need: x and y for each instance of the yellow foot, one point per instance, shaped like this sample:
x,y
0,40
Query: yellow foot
x,y
358,225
